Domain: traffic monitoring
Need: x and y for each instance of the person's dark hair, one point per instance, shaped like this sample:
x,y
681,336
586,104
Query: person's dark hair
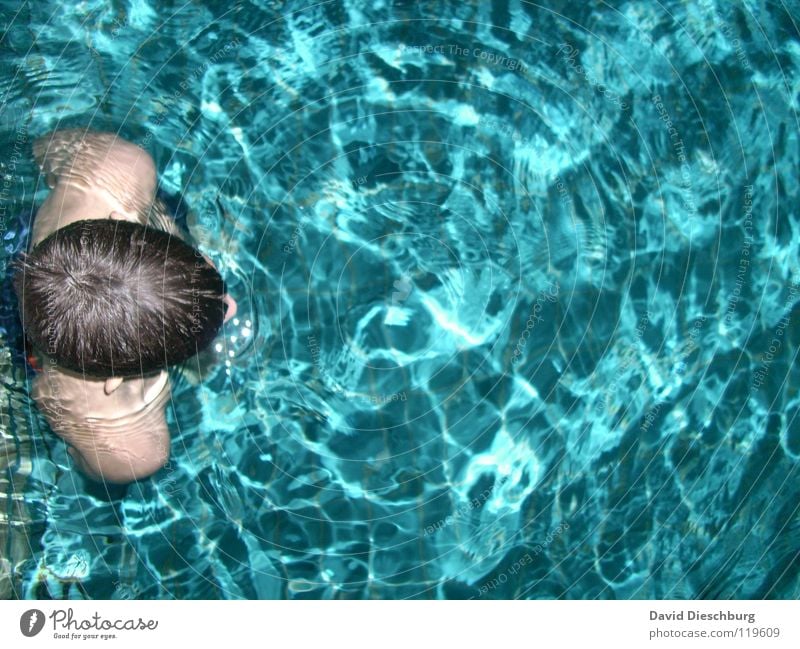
x,y
113,298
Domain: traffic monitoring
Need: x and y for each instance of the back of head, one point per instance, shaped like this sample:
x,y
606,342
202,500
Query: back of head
x,y
112,298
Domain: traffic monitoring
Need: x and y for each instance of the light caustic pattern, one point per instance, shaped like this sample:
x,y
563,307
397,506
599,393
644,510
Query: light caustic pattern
x,y
516,298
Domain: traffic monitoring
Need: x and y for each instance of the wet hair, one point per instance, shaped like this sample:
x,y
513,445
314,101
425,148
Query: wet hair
x,y
113,298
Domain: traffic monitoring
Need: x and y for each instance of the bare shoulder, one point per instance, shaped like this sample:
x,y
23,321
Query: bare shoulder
x,y
75,151
118,172
69,400
119,436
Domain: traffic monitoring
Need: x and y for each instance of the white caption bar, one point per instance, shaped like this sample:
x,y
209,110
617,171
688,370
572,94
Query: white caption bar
x,y
353,624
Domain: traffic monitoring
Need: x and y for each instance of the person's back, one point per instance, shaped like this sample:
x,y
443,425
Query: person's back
x,y
104,386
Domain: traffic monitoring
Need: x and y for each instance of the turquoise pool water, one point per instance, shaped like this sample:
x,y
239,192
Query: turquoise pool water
x,y
518,293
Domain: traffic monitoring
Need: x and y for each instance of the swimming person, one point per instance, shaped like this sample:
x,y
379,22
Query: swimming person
x,y
110,295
